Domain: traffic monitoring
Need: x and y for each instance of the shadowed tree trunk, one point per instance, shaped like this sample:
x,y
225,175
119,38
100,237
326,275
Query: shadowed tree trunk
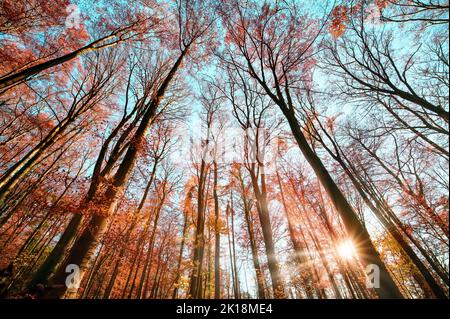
x,y
195,289
253,246
216,238
263,211
180,255
129,232
9,81
85,245
361,239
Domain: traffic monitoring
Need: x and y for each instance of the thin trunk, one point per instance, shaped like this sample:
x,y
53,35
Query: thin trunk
x,y
9,81
233,241
253,246
129,232
361,238
148,258
264,217
180,257
230,253
217,238
84,247
199,243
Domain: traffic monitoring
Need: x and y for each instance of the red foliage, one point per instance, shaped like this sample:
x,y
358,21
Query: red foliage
x,y
339,18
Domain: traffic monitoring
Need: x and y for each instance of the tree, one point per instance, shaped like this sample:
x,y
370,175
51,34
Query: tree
x,y
203,149
249,107
99,86
44,16
276,52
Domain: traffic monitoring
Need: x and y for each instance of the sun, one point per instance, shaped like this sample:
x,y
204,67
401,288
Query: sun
x,y
346,249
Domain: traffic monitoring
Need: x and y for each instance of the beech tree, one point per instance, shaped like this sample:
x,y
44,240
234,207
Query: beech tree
x,y
264,46
22,17
99,86
237,149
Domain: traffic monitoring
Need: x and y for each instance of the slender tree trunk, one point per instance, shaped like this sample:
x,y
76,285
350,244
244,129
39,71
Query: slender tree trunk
x,y
263,211
199,243
180,257
129,232
360,237
300,251
148,258
85,245
230,253
217,237
208,285
233,245
9,81
253,246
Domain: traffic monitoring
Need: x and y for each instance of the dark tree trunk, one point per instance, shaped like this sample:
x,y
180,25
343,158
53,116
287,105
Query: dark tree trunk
x,y
363,244
216,238
84,247
264,217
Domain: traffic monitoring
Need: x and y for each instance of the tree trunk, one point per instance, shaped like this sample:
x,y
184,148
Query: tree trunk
x,y
360,237
85,245
233,245
253,246
264,217
180,256
9,81
199,243
129,232
216,238
299,250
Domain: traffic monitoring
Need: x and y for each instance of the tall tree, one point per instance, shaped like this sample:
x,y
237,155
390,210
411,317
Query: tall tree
x,y
276,53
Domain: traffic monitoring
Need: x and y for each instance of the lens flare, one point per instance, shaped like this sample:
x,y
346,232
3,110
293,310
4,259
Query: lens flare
x,y
346,249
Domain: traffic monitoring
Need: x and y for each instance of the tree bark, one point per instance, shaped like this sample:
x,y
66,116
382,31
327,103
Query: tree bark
x,y
85,245
216,238
360,237
9,81
263,211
